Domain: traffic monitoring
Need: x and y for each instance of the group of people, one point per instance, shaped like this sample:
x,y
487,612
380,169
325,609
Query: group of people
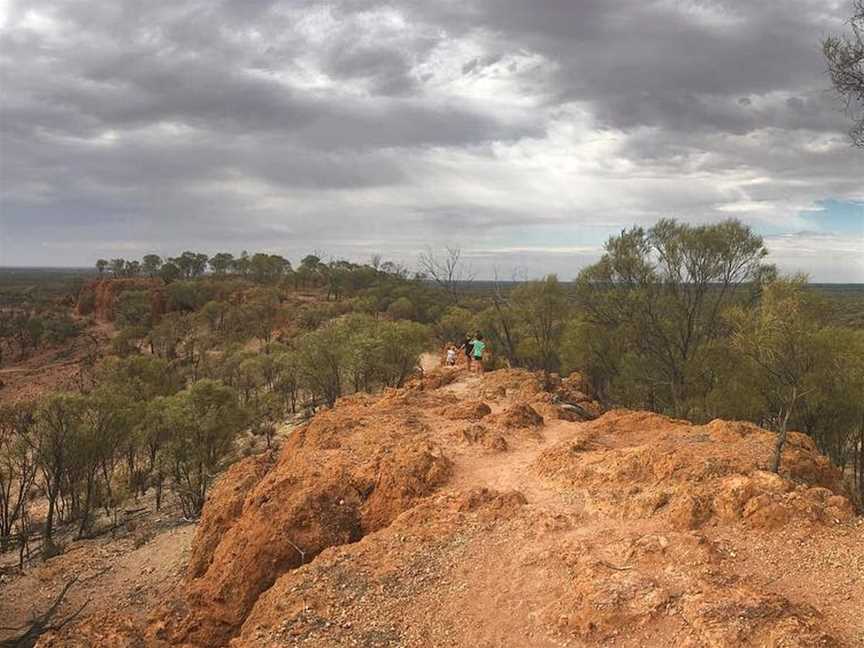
x,y
476,352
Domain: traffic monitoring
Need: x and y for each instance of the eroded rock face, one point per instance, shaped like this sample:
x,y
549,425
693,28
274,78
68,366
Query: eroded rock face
x,y
224,506
350,472
99,298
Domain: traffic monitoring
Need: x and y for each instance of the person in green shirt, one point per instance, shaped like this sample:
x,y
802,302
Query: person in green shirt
x,y
477,350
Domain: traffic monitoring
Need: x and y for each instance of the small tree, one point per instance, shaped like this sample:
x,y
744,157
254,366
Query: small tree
x,y
783,344
542,309
454,324
170,272
401,344
204,420
261,313
402,309
118,267
287,380
17,465
151,264
190,264
134,308
240,265
101,266
58,421
321,361
107,425
165,337
132,269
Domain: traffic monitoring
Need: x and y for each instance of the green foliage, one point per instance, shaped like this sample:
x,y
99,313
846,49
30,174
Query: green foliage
x,y
166,337
221,263
134,308
151,264
402,308
140,377
190,264
360,352
128,340
806,370
204,420
189,296
312,316
320,357
260,313
17,465
454,324
214,313
400,344
663,290
59,418
170,272
541,309
268,268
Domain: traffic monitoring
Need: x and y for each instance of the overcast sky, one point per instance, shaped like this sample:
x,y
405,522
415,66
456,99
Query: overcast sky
x,y
523,131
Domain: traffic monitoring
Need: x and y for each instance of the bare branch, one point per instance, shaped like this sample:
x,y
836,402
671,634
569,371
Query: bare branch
x,y
448,271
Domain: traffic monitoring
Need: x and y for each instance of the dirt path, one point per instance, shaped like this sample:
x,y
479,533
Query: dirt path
x,y
512,470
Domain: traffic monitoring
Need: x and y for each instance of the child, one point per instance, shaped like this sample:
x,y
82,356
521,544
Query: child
x,y
451,355
477,349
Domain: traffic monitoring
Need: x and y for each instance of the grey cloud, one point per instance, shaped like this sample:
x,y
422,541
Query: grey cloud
x,y
257,122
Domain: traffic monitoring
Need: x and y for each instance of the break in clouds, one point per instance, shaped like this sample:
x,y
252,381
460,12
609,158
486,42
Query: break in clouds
x,y
523,132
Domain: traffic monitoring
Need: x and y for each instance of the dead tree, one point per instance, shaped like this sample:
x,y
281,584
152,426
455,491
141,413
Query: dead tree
x,y
447,271
845,57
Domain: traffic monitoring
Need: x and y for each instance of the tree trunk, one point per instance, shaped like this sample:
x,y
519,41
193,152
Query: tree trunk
x,y
49,518
782,433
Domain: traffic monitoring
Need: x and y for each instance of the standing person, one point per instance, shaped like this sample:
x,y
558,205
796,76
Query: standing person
x,y
467,348
478,347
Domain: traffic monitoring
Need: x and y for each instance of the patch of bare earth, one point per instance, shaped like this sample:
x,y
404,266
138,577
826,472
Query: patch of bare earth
x,y
115,583
486,511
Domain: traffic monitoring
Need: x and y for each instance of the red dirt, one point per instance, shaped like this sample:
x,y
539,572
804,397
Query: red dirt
x,y
99,297
54,368
385,522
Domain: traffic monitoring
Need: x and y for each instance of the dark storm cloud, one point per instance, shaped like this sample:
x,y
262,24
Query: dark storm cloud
x,y
133,125
667,63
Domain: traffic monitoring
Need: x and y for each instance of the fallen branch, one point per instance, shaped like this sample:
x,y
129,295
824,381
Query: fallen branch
x,y
615,567
42,623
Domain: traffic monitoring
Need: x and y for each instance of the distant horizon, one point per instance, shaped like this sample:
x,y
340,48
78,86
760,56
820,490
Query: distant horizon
x,y
475,280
